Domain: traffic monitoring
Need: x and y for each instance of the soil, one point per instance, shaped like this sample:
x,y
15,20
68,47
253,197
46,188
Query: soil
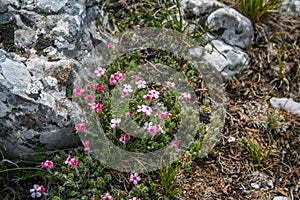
x,y
228,172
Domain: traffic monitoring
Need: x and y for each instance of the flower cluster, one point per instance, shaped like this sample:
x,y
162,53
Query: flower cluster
x,y
152,129
71,161
144,109
80,127
151,94
47,164
164,115
96,107
116,77
186,97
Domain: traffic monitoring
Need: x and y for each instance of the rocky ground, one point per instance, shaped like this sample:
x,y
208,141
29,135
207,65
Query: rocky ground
x,y
229,173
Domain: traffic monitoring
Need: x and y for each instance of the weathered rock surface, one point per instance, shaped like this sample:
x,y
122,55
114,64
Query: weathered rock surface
x,y
41,43
231,27
227,59
34,112
291,7
287,104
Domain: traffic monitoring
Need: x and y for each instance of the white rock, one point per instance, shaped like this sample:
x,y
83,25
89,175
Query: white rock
x,y
231,26
287,104
255,186
280,198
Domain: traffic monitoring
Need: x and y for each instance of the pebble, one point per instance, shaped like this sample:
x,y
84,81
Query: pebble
x,y
255,186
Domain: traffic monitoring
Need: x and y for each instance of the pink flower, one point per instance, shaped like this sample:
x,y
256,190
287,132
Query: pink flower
x,y
80,127
96,107
136,78
100,88
71,161
134,178
145,109
130,113
100,72
124,138
151,94
186,97
169,84
164,115
175,144
106,196
135,198
116,77
89,97
153,129
47,164
110,45
124,94
91,86
78,91
37,191
115,123
86,145
112,80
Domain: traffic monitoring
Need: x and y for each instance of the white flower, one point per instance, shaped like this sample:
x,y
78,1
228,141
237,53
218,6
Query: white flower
x,y
141,84
127,88
115,122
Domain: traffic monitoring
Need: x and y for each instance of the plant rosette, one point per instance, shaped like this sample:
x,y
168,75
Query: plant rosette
x,y
139,114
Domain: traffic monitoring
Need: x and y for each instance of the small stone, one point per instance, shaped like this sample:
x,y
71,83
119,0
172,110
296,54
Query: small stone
x,y
231,139
280,198
287,104
270,184
255,186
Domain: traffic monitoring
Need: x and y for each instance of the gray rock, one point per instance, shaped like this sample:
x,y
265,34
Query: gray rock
x,y
291,7
225,58
197,8
230,26
50,6
287,104
34,110
25,38
280,198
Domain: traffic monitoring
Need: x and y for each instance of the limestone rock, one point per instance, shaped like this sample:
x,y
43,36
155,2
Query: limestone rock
x,y
34,112
226,59
287,104
291,7
197,8
231,27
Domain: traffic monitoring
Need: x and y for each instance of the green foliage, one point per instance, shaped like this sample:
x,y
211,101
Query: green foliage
x,y
255,9
168,185
259,155
144,13
275,120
